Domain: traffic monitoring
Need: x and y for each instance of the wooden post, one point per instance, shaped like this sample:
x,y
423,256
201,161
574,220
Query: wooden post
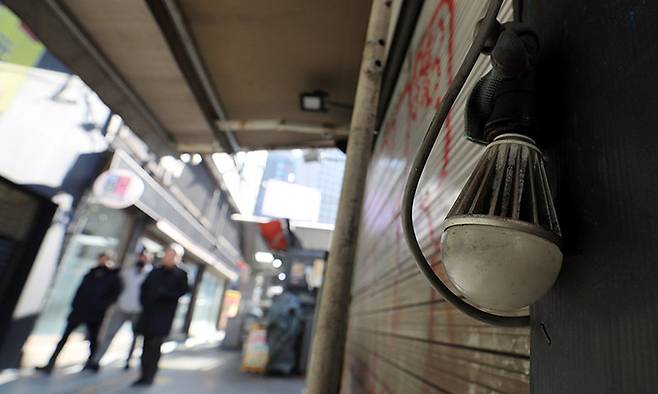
x,y
331,327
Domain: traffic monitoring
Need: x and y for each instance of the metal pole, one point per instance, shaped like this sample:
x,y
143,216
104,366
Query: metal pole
x,y
324,370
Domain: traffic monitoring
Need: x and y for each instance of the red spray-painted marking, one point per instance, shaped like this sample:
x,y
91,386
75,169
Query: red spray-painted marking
x,y
438,27
422,90
429,74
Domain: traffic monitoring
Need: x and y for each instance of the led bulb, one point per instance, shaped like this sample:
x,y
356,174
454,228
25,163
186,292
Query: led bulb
x,y
500,241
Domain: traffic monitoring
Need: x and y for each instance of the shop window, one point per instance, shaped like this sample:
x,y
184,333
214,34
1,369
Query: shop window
x,y
206,309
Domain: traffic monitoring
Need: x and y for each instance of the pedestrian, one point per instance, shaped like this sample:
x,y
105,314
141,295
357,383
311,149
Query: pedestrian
x,y
99,289
159,297
127,308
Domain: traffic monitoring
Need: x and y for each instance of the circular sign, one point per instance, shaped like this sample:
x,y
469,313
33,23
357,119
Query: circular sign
x,y
118,188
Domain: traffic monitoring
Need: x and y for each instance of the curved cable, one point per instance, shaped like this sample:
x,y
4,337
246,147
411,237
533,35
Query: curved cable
x,y
424,150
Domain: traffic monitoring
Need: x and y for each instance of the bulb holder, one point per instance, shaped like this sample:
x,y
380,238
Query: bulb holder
x,y
501,240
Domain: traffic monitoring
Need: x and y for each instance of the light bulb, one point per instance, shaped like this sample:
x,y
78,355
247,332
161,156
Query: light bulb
x,y
501,240
500,243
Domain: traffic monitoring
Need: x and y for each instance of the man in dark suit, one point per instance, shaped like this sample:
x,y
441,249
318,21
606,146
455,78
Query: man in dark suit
x,y
99,289
159,297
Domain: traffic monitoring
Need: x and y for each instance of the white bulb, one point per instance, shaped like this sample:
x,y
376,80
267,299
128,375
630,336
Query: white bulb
x,y
282,276
277,263
497,267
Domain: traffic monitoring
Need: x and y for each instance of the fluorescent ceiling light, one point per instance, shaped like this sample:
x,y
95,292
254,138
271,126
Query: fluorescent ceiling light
x,y
264,257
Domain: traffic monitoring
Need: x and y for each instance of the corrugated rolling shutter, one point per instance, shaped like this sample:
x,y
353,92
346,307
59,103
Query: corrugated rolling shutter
x,y
403,338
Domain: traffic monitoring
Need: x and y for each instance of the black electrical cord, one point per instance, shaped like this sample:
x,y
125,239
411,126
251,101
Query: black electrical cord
x,y
487,24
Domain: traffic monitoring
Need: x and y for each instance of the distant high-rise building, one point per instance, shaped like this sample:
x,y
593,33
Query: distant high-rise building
x,y
320,171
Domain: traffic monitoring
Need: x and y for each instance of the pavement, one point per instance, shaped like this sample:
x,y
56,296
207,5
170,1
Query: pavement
x,y
196,368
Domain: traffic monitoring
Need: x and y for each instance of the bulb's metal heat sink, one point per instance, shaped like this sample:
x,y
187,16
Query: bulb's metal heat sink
x,y
509,188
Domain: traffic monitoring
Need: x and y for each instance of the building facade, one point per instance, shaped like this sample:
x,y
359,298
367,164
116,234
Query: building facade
x,y
319,170
56,138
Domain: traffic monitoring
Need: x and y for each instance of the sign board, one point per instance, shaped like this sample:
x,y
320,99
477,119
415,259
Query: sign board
x,y
255,352
118,188
291,201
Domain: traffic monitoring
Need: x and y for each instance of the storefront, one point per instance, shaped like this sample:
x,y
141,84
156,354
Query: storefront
x,y
211,251
153,219
198,311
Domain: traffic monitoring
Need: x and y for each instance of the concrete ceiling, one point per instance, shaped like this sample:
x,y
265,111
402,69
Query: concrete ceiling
x,y
212,75
262,54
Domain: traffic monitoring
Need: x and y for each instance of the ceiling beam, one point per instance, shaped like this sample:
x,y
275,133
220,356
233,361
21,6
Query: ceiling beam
x,y
281,125
316,142
172,23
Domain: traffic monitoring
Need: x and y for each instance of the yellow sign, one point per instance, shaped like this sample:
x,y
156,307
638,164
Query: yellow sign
x,y
19,52
230,308
256,351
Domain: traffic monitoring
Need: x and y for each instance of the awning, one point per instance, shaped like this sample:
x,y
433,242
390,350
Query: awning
x,y
206,76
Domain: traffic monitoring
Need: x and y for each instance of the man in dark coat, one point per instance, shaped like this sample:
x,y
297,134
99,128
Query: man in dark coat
x,y
159,297
99,289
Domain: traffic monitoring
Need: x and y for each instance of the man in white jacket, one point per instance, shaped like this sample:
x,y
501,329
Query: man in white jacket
x,y
127,308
